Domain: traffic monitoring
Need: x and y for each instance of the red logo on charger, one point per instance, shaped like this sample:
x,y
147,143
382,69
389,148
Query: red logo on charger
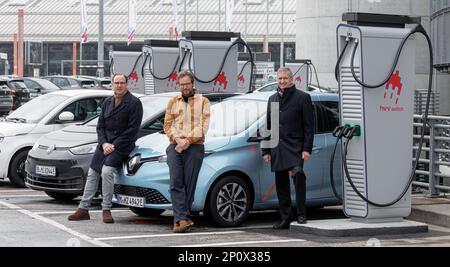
x,y
241,81
222,81
394,88
298,82
133,80
172,82
393,92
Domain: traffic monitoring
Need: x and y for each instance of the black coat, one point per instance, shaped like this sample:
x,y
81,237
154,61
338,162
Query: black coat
x,y
118,126
296,128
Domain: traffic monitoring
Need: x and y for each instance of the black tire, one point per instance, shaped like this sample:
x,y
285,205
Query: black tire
x,y
146,212
61,196
17,174
229,202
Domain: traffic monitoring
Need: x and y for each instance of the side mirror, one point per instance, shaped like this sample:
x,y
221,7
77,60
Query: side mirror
x,y
66,116
37,89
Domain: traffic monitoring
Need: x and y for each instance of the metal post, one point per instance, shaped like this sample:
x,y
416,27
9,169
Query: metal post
x,y
185,15
101,49
434,192
74,58
282,35
266,40
246,21
196,14
20,54
15,54
220,7
81,58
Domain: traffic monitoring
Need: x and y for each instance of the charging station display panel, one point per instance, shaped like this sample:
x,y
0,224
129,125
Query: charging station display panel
x,y
130,63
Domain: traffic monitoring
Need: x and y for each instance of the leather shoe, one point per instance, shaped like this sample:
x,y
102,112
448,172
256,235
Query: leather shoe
x,y
182,226
284,224
107,216
301,220
79,215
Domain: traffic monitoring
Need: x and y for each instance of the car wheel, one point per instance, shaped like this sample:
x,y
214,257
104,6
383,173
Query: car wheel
x,y
229,202
146,212
17,174
61,196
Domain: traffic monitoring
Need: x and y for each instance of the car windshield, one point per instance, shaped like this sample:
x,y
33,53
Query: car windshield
x,y
152,106
38,108
269,88
232,117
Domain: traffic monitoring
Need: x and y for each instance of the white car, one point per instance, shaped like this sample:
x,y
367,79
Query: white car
x,y
273,87
47,113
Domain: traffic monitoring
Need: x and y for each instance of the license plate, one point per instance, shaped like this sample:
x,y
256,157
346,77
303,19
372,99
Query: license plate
x,y
130,201
46,170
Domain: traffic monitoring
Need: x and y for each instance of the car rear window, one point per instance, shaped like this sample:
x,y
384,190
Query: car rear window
x,y
18,84
3,85
88,84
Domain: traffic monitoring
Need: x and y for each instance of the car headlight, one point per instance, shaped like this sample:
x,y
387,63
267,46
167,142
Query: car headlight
x,y
36,146
133,164
84,149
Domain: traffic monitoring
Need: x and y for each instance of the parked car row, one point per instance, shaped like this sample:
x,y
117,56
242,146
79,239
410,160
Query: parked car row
x,y
15,91
44,149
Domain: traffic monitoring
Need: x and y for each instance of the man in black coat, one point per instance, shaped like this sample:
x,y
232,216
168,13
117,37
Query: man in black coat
x,y
294,146
117,130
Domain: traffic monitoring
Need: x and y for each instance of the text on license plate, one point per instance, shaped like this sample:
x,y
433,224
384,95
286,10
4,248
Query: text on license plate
x,y
46,170
130,201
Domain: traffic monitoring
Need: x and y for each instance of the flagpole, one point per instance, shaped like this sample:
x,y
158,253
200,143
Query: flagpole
x,y
101,46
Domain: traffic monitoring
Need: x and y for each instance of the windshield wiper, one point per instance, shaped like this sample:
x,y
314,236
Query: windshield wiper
x,y
22,120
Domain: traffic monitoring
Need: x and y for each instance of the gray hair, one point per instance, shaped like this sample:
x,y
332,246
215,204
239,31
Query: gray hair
x,y
287,70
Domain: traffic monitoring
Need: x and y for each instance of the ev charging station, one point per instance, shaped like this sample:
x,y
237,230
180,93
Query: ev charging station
x,y
300,70
161,65
213,59
379,159
376,76
129,63
244,73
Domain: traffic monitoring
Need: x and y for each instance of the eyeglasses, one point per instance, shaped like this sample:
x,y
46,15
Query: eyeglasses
x,y
185,84
120,83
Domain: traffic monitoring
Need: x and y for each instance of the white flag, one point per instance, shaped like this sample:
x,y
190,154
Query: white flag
x,y
229,8
132,20
175,18
84,26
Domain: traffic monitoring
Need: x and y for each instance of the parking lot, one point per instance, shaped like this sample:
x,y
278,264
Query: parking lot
x,y
31,218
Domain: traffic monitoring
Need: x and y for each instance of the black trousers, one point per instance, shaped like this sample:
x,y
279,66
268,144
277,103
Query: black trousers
x,y
282,181
184,169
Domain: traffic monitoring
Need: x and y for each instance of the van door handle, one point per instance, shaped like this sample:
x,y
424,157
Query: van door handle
x,y
317,149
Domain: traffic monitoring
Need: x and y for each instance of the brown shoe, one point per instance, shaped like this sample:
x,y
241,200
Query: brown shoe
x,y
107,217
79,215
182,226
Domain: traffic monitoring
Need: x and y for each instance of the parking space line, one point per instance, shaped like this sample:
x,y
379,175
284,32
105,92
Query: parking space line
x,y
17,191
244,243
55,224
71,211
19,196
168,235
